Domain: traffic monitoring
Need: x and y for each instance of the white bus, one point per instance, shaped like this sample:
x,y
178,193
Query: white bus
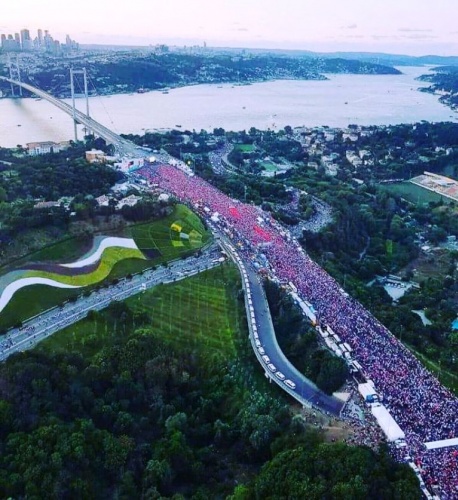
x,y
290,383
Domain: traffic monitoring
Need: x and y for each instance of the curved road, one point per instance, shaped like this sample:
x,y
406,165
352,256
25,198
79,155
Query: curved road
x,y
306,392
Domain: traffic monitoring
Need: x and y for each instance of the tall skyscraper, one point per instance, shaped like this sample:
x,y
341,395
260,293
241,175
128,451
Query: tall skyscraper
x,y
40,37
26,42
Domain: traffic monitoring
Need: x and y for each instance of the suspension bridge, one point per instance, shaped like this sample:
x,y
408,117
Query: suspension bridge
x,y
122,146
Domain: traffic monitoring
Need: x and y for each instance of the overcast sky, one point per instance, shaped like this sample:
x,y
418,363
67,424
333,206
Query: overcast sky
x,y
415,27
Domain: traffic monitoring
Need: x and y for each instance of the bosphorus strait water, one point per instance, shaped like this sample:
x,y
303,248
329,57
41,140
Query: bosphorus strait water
x,y
337,102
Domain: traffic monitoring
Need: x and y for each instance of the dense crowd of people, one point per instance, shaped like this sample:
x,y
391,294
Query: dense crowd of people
x,y
423,408
366,431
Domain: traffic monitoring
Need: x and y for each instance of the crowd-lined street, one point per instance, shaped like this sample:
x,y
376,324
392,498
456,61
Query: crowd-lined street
x,y
423,408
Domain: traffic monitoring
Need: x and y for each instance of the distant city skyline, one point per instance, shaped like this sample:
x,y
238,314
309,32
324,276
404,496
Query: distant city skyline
x,y
395,26
25,40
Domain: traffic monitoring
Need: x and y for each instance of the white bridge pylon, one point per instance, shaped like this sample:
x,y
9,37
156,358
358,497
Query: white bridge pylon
x,y
73,73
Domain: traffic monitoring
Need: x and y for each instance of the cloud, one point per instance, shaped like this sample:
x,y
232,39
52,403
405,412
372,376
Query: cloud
x,y
419,36
412,30
353,36
349,27
384,37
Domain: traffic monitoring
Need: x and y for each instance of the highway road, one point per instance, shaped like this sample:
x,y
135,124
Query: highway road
x,y
44,325
305,388
218,159
305,391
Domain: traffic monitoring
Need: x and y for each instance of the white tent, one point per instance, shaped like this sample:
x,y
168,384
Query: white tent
x,y
387,423
432,445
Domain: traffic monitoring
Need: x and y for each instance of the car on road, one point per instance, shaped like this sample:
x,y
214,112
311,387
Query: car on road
x,y
261,351
266,359
257,343
280,376
271,367
290,383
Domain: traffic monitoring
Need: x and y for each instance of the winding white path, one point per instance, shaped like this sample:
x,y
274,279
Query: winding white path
x,y
12,288
93,256
109,241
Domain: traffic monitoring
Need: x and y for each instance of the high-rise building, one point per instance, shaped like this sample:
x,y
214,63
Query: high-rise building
x,y
55,47
10,44
48,41
26,42
40,37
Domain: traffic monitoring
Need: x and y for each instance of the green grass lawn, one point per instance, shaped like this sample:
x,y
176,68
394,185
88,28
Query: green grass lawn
x,y
413,193
201,312
109,258
177,235
32,300
67,250
173,236
245,148
156,235
269,166
63,251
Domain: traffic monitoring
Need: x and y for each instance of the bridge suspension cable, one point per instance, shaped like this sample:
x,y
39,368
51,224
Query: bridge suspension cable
x,y
112,123
123,146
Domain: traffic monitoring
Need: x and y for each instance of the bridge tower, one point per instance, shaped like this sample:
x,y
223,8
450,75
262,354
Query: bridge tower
x,y
15,73
73,73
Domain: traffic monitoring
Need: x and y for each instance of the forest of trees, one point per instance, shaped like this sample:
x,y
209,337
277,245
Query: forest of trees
x,y
298,341
24,180
444,78
52,176
141,419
